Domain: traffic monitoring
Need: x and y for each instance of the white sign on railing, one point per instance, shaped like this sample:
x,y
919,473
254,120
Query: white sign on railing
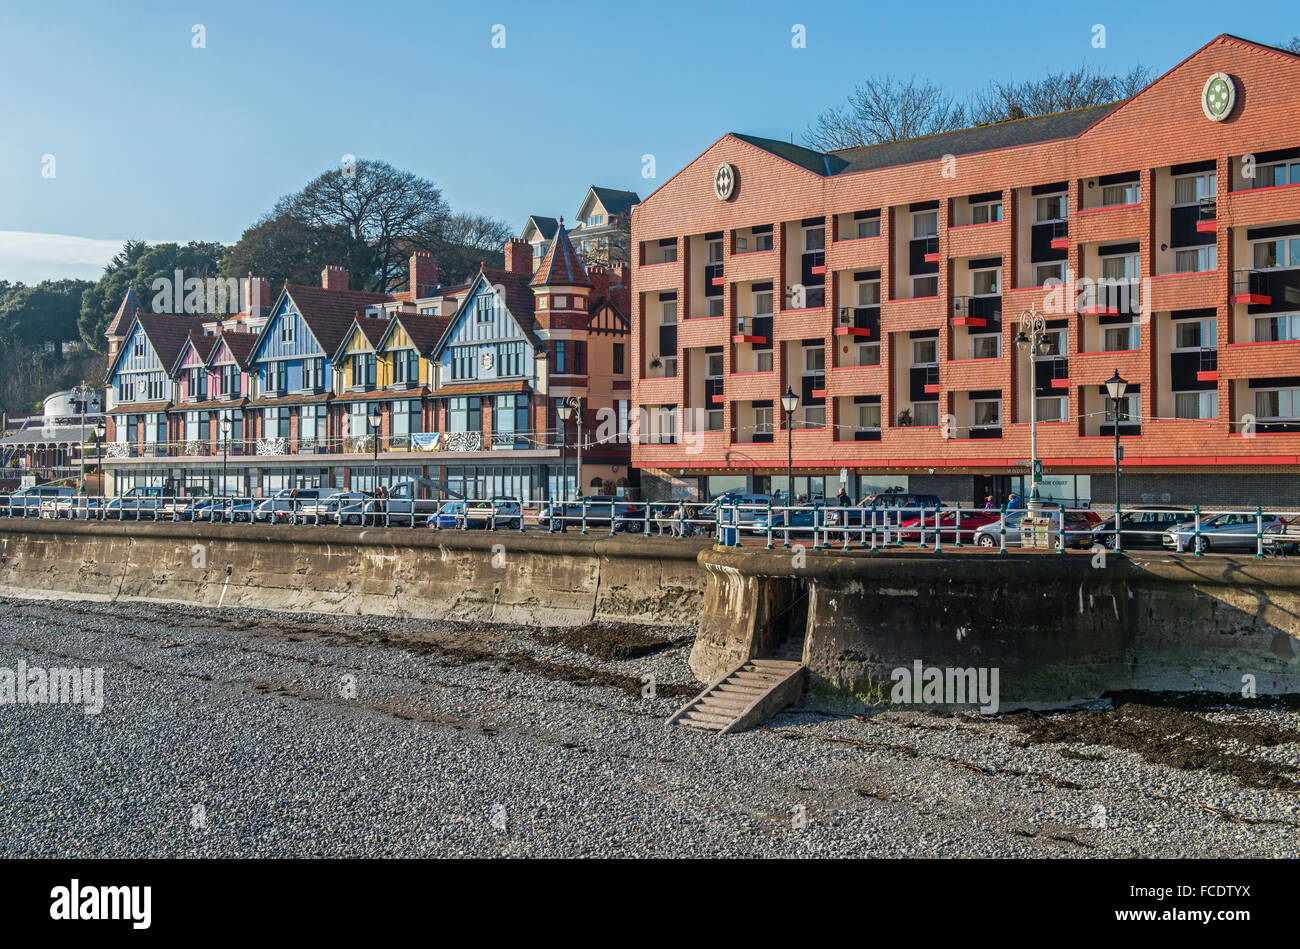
x,y
271,446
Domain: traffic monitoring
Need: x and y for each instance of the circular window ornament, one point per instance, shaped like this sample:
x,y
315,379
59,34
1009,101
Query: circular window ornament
x,y
724,181
1218,97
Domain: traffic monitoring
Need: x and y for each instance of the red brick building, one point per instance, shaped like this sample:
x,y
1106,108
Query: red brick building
x,y
1158,237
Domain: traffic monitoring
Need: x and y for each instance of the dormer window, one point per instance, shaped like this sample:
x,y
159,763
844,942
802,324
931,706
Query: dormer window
x,y
374,312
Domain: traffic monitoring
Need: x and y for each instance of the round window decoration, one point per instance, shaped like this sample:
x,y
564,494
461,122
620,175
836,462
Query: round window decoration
x,y
1218,97
724,181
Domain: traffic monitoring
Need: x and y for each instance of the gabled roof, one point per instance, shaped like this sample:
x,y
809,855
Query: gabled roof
x,y
373,328
519,301
167,334
203,346
981,138
328,313
545,226
126,312
425,331
613,200
240,346
561,266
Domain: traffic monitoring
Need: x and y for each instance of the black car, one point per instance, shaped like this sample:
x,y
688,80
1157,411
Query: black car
x,y
1139,527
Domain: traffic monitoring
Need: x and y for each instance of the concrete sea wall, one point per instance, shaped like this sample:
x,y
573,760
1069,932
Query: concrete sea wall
x,y
1059,629
498,576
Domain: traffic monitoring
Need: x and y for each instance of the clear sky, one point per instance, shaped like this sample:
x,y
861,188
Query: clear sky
x,y
156,139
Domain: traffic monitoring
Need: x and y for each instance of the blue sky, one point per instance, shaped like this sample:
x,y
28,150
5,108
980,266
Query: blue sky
x,y
155,139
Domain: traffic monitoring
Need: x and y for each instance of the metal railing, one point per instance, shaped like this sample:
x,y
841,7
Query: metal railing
x,y
873,527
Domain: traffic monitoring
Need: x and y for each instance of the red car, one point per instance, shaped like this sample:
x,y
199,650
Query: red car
x,y
971,521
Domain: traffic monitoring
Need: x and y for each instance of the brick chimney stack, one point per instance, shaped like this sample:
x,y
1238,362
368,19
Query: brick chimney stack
x,y
600,280
422,275
334,278
519,256
257,290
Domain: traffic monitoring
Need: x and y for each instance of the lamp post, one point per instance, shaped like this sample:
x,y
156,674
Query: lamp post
x,y
789,402
224,425
374,418
80,396
99,447
575,403
562,411
1034,340
1116,387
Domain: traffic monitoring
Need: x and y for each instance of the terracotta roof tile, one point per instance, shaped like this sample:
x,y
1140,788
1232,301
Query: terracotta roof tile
x,y
329,313
561,266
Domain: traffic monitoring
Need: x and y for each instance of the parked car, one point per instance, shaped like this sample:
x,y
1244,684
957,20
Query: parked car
x,y
282,506
971,521
600,510
26,502
1141,527
328,510
1078,529
409,501
748,507
799,519
1283,540
1230,531
137,504
354,508
506,512
894,503
181,508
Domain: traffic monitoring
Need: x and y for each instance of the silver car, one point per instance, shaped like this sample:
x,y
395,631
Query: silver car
x,y
1232,531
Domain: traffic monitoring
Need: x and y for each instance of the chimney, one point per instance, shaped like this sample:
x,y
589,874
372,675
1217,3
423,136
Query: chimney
x,y
599,278
519,256
334,278
257,290
422,276
619,276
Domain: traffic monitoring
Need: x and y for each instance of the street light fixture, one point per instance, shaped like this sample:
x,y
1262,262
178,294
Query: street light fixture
x,y
789,402
99,448
1116,387
225,451
563,410
374,418
1034,340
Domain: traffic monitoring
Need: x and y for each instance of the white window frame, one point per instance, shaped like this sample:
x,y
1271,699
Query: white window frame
x,y
1131,191
1207,188
1062,196
1290,396
975,404
924,342
1131,329
1058,265
1207,258
1288,257
997,281
811,242
1207,400
1290,327
916,408
862,353
1062,404
1207,329
929,276
759,360
917,218
987,206
977,338
861,425
872,287
867,224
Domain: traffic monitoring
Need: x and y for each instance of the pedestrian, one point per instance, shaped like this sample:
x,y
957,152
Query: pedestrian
x,y
842,499
1013,502
683,515
988,503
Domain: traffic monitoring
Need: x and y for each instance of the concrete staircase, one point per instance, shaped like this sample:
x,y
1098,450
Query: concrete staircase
x,y
748,695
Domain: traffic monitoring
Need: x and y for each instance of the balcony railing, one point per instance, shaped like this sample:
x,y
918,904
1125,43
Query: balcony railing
x,y
1207,216
977,312
1251,286
1060,235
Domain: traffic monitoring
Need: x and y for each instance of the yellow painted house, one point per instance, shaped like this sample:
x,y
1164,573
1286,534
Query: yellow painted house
x,y
389,353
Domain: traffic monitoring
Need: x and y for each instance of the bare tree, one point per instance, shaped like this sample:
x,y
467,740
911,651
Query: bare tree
x,y
1056,92
466,241
1293,46
383,211
885,109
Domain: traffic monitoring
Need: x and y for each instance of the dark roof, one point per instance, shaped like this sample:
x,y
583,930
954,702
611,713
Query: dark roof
x,y
545,225
240,346
126,312
561,266
425,331
616,201
329,313
167,333
519,301
981,138
203,345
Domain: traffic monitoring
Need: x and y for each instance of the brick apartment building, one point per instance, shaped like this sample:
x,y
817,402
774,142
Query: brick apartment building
x,y
884,286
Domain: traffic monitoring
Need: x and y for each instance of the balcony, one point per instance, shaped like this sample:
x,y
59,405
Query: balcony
x,y
1251,286
749,330
858,322
1207,216
931,250
1051,375
977,312
1060,235
1208,365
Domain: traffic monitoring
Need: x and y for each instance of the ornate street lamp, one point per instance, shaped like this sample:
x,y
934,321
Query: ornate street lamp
x,y
789,402
225,450
374,418
99,448
1116,387
1033,339
562,411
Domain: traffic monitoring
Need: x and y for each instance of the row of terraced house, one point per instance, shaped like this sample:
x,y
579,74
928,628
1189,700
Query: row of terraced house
x,y
334,388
